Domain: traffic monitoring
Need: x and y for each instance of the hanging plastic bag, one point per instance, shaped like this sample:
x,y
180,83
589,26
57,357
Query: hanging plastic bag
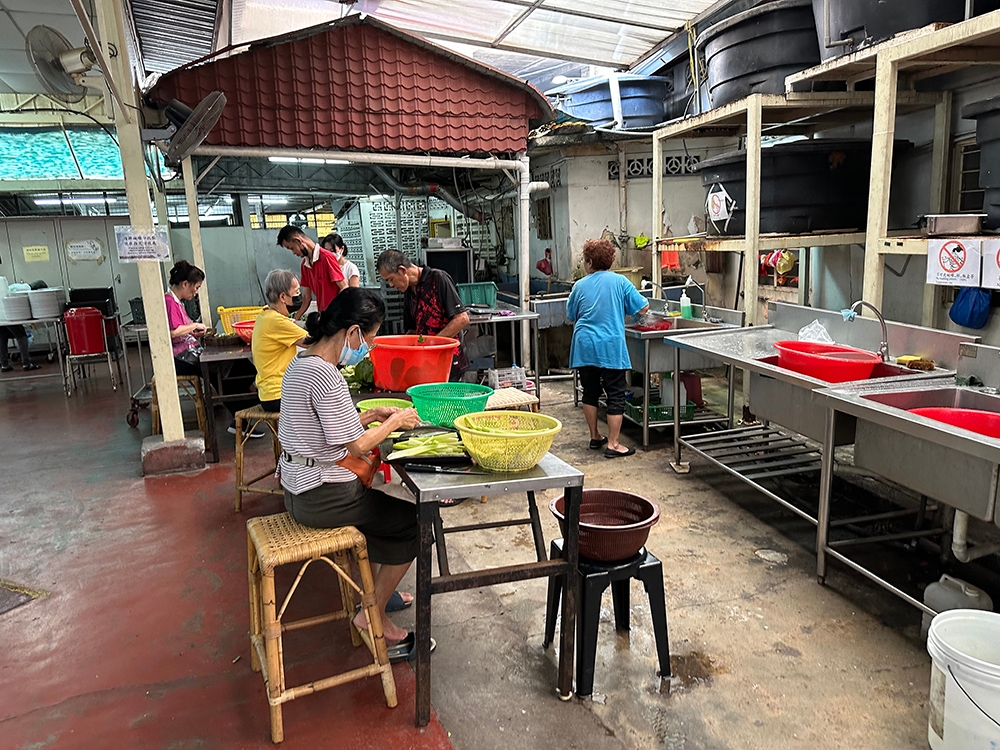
x,y
971,308
815,331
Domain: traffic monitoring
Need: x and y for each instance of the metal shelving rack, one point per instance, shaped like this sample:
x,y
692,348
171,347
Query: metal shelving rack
x,y
794,113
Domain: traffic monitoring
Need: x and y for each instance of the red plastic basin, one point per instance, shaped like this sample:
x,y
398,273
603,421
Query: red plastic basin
x,y
404,361
828,362
244,329
975,420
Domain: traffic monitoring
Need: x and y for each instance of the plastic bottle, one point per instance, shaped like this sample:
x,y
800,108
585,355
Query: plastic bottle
x,y
685,304
953,593
667,391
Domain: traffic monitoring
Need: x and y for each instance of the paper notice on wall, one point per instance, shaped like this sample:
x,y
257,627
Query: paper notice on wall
x,y
36,253
991,264
719,205
85,250
956,261
134,245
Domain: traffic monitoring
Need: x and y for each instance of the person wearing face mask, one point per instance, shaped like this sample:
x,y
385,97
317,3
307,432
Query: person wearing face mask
x,y
275,336
335,244
323,438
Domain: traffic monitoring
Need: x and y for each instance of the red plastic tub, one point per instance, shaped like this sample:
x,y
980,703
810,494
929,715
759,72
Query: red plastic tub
x,y
975,420
85,330
404,361
828,362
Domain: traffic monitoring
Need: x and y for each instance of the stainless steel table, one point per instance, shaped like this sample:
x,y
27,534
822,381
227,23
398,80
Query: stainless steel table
x,y
57,330
429,490
513,316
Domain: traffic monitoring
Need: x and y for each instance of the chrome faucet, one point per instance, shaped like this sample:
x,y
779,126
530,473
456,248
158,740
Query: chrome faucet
x,y
704,297
883,349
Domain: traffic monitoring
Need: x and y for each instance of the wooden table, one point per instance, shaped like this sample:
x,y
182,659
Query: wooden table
x,y
429,490
214,361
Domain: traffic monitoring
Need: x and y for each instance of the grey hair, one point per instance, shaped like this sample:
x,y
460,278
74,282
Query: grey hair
x,y
391,260
278,282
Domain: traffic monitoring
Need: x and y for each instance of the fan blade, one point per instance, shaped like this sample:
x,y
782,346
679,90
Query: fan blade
x,y
195,129
95,46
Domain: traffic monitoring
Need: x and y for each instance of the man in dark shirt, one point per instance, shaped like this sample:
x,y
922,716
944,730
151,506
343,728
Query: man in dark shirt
x,y
431,305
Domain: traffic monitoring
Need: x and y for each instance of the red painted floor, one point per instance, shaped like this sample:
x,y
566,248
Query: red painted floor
x,y
143,640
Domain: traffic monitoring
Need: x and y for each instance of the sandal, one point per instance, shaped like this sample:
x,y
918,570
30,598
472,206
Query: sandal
x,y
397,602
406,649
595,444
451,502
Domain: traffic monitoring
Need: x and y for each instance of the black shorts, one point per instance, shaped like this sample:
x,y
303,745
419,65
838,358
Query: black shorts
x,y
612,382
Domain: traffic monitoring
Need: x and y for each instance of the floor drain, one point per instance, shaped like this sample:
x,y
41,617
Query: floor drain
x,y
12,595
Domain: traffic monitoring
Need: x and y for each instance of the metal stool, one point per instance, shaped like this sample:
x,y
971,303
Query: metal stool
x,y
595,577
279,540
252,417
188,386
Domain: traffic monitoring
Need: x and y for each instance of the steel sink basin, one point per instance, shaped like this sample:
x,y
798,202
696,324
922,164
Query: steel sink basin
x,y
661,356
955,466
953,397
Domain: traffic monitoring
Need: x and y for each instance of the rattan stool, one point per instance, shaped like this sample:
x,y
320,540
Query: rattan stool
x,y
188,386
251,418
279,540
511,398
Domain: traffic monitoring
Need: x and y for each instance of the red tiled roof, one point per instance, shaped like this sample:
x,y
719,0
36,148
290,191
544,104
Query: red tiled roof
x,y
359,85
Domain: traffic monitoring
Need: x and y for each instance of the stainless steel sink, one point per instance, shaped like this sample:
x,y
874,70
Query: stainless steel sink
x,y
954,466
881,370
956,398
661,356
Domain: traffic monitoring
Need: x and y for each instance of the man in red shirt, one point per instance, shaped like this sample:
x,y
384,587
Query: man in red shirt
x,y
320,274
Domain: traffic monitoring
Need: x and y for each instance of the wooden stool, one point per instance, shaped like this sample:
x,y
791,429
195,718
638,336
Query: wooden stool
x,y
511,398
188,386
279,540
247,421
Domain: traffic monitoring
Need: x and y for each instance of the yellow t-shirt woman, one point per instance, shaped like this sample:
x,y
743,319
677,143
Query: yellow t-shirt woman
x,y
273,347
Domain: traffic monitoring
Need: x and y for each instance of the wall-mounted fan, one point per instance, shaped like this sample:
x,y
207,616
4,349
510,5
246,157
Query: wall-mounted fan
x,y
60,67
192,126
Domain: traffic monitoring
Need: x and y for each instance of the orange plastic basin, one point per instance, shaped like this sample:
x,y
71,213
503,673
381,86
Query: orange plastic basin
x,y
244,329
404,361
975,420
831,363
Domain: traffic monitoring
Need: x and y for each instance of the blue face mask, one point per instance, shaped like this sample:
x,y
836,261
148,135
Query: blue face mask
x,y
349,356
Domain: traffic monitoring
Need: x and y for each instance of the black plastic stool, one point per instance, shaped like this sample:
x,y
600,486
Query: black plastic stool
x,y
595,577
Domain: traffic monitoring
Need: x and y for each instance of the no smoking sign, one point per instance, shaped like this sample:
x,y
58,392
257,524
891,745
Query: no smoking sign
x,y
954,261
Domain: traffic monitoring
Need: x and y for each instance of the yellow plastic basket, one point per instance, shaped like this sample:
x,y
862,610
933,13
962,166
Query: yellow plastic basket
x,y
507,441
230,315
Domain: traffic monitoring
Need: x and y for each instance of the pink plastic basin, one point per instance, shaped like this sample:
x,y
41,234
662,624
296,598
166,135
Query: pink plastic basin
x,y
975,420
831,363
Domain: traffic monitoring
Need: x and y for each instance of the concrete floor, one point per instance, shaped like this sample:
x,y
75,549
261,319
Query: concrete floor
x,y
135,645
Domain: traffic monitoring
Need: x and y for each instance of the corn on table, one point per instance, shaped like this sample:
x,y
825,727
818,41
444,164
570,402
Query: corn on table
x,y
429,489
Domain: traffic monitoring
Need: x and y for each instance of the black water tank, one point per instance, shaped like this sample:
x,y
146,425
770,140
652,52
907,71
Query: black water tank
x,y
805,186
753,51
987,116
870,21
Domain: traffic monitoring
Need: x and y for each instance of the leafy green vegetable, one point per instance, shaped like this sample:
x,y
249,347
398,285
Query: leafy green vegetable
x,y
359,376
436,444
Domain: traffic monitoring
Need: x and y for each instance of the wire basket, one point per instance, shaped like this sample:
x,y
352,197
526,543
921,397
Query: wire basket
x,y
614,525
507,377
507,441
441,403
230,315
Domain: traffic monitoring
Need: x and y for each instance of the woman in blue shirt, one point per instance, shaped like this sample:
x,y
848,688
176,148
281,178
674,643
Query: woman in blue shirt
x,y
598,305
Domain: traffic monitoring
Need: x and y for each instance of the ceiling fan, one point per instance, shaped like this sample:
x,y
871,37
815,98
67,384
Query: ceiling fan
x,y
67,72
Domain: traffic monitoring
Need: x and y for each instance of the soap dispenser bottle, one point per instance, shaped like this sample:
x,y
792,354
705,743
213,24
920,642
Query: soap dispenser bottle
x,y
685,304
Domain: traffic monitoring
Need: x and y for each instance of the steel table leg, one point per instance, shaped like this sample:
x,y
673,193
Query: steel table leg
x,y
571,590
825,490
646,378
679,466
537,357
425,515
212,438
732,397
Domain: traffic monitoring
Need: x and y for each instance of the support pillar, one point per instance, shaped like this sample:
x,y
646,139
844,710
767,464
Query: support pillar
x,y
194,223
110,22
752,240
657,217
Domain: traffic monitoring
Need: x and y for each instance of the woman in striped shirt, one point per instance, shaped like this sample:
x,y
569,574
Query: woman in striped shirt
x,y
319,426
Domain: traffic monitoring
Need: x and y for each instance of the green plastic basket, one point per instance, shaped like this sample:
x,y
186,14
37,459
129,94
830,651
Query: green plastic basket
x,y
378,403
441,403
658,413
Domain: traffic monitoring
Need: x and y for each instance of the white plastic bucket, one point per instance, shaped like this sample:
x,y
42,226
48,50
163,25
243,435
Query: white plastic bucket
x,y
964,645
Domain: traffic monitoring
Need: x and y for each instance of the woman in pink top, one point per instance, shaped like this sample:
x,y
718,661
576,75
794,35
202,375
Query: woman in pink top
x,y
185,281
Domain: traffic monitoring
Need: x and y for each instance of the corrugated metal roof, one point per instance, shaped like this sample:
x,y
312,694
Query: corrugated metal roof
x,y
360,85
172,33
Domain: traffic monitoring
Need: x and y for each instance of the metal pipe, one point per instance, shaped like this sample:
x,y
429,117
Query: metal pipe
x,y
426,188
883,348
826,32
960,541
357,157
